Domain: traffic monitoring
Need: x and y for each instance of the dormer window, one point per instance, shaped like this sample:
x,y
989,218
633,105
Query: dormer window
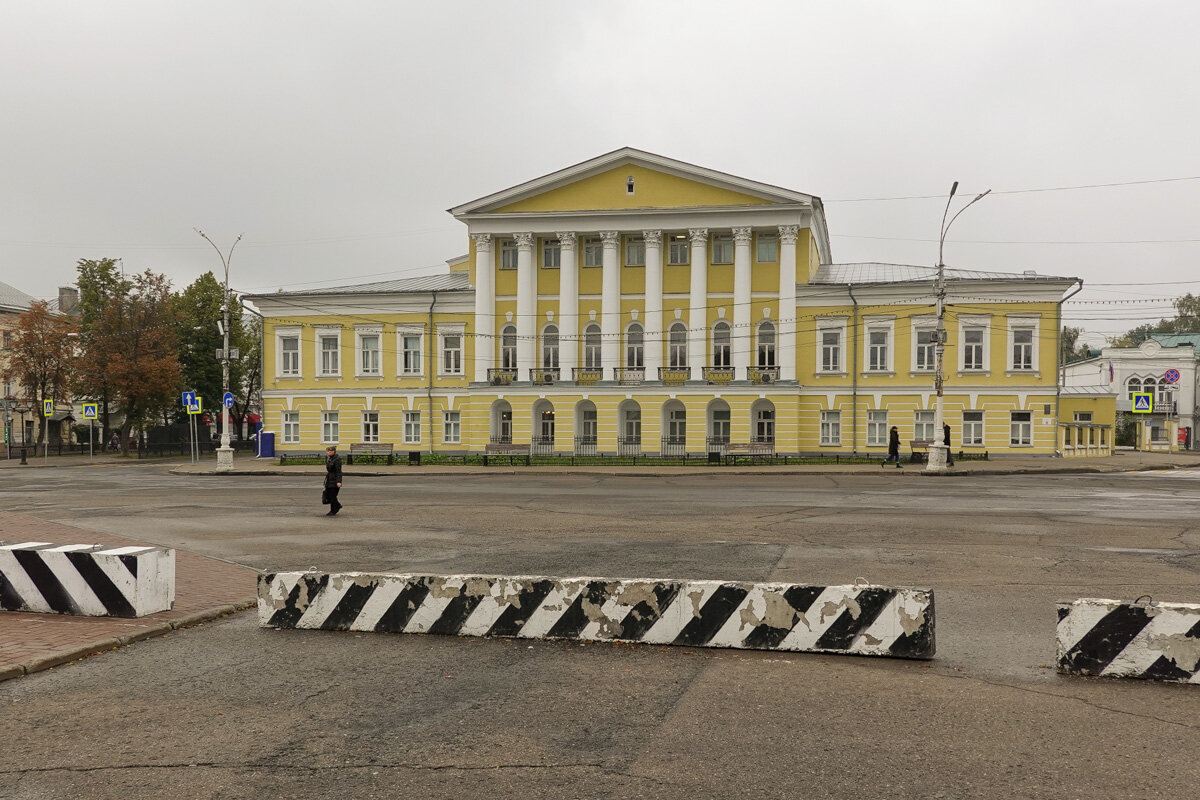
x,y
629,185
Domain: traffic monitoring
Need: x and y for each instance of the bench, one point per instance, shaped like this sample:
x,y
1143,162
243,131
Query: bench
x,y
371,450
506,449
920,450
752,449
300,456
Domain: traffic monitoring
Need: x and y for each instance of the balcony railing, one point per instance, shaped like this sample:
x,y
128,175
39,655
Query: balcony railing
x,y
673,446
674,375
585,445
630,376
544,376
629,446
587,376
502,377
501,439
762,374
541,446
718,374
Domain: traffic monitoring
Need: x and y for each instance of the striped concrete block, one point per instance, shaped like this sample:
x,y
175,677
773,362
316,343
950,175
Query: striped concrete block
x,y
1154,641
86,579
863,620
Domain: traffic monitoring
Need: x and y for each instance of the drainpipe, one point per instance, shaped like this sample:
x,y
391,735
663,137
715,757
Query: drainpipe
x,y
1060,370
854,375
432,362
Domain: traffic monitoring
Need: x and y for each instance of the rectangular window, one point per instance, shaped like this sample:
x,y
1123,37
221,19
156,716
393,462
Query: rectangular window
x,y
767,250
369,354
1083,416
412,427
452,354
508,254
551,254
1021,428
291,427
410,354
877,351
831,351
722,249
329,427
1022,352
831,428
926,355
972,349
452,427
593,252
289,355
635,251
972,429
923,426
678,249
370,432
330,364
877,429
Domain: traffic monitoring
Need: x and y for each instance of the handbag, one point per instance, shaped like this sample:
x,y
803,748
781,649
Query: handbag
x,y
325,496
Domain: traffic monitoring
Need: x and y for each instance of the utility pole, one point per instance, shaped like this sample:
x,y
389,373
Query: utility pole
x,y
225,451
938,451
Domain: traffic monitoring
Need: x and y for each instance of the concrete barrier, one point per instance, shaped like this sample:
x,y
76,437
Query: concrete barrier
x,y
86,579
858,619
1120,639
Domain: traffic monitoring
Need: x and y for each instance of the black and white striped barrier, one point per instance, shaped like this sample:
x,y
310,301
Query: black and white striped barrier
x,y
859,619
86,579
1116,639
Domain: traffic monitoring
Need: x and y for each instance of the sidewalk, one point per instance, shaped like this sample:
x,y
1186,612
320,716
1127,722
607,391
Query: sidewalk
x,y
1123,461
204,589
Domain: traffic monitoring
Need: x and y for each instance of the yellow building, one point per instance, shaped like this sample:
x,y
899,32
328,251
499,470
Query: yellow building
x,y
634,304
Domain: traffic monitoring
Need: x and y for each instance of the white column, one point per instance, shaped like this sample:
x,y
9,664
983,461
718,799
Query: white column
x,y
568,305
610,305
743,336
787,302
654,304
485,307
698,302
526,306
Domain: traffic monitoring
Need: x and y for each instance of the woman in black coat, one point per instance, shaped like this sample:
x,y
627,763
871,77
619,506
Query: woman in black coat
x,y
893,448
333,481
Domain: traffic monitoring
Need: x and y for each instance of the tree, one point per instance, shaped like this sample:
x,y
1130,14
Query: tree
x,y
42,357
100,282
1072,348
1187,320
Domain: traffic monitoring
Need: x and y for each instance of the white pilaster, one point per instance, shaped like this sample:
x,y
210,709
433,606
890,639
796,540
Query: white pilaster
x,y
742,335
610,305
485,307
526,306
787,302
568,305
654,304
698,302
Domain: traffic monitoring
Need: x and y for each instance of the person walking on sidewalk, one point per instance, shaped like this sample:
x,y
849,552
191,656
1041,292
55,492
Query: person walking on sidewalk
x,y
333,481
946,441
893,448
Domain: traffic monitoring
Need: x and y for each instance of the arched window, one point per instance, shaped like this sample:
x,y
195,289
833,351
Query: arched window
x,y
550,347
721,345
766,345
634,347
677,345
591,346
508,347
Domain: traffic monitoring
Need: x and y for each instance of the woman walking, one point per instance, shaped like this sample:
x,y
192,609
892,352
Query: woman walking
x,y
893,448
333,481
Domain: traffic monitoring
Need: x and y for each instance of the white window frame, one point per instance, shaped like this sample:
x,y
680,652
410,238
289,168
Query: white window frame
x,y
679,250
888,328
551,348
877,427
768,242
280,335
635,351
720,249
973,428
507,253
593,346
403,332
984,323
721,355
833,325
1023,436
370,427
551,254
289,426
924,420
592,248
506,357
330,424
321,335
360,353
831,428
452,427
923,325
635,251
677,348
1015,323
444,332
412,427
766,353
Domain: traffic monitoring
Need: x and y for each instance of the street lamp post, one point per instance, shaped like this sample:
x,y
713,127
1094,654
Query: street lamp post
x,y
224,452
938,451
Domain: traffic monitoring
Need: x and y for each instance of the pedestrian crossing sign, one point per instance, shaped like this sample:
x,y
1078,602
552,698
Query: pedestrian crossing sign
x,y
47,408
1143,403
194,405
89,410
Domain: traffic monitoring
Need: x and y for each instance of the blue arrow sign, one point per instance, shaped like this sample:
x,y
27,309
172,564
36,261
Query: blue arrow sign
x,y
228,399
189,398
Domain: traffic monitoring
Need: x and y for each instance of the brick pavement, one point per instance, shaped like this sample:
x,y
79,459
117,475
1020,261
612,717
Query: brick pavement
x,y
205,588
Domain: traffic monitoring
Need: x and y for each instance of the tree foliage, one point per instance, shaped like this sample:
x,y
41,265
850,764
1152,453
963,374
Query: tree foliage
x,y
1186,320
42,357
1073,349
100,282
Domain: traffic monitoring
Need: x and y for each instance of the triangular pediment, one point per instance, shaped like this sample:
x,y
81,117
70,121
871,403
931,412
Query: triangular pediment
x,y
603,184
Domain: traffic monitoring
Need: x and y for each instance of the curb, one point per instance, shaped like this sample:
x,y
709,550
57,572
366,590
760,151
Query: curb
x,y
94,648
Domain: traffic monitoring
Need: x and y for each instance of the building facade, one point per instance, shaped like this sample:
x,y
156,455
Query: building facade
x,y
633,304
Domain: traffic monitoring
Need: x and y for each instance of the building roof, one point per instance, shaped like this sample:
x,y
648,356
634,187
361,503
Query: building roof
x,y
1177,339
444,282
12,299
874,272
1101,389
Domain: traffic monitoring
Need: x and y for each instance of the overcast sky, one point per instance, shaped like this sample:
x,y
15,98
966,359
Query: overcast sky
x,y
335,134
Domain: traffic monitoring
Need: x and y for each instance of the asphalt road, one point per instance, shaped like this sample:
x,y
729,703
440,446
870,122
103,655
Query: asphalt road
x,y
229,710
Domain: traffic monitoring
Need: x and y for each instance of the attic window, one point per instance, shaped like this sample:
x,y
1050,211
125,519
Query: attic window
x,y
629,185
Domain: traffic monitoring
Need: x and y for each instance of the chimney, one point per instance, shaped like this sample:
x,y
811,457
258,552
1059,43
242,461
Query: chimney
x,y
68,299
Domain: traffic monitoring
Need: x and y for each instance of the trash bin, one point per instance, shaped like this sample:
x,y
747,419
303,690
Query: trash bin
x,y
266,444
414,457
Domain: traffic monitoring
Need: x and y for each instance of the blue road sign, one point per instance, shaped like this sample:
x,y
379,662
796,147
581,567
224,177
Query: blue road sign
x,y
189,398
194,405
228,399
89,410
1143,403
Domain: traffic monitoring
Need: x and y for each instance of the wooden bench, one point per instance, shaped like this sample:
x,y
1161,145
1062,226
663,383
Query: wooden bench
x,y
752,449
300,456
920,451
370,450
506,449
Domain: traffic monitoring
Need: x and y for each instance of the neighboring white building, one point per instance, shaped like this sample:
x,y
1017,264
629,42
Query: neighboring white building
x,y
1142,369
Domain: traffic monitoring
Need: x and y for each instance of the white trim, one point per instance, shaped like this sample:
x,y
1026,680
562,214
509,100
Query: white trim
x,y
1022,321
874,325
289,332
319,334
975,321
445,329
825,324
359,332
410,330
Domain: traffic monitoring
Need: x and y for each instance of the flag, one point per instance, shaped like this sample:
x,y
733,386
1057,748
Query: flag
x,y
1110,372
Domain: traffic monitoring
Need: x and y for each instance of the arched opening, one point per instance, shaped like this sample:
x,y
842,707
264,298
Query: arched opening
x,y
508,348
542,441
721,355
500,422
762,420
586,428
674,429
591,346
677,345
629,433
766,346
719,424
635,349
